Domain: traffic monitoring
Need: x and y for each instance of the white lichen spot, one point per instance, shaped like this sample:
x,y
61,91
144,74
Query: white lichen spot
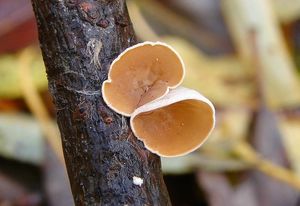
x,y
94,47
137,181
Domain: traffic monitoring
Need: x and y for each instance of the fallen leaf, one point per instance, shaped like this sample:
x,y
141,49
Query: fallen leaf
x,y
10,75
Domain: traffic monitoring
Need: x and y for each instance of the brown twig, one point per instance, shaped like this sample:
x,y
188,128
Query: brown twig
x,y
246,153
101,156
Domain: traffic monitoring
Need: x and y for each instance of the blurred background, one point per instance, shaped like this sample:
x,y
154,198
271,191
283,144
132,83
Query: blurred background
x,y
243,55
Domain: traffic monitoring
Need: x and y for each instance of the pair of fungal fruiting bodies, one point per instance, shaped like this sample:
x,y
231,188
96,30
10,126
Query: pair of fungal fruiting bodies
x,y
143,83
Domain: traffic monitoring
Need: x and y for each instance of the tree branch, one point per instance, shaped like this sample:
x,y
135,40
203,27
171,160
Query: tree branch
x,y
79,39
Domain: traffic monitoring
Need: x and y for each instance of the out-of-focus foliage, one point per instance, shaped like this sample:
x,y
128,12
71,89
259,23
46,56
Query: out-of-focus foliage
x,y
10,77
226,80
287,10
290,129
260,44
21,138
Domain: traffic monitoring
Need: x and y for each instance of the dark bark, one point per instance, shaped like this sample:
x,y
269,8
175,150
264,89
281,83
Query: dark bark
x,y
79,39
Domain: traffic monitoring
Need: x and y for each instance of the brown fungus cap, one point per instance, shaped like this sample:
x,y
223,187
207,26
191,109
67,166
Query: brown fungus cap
x,y
143,84
176,124
141,74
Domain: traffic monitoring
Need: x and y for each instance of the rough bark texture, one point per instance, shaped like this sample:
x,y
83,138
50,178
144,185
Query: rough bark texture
x,y
79,39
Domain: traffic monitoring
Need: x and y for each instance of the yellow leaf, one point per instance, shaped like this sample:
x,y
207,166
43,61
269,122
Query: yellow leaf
x,y
9,74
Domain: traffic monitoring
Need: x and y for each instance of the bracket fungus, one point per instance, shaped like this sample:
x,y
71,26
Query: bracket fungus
x,y
143,83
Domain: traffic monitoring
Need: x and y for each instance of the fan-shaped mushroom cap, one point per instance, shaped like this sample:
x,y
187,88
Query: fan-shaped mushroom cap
x,y
141,74
176,124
